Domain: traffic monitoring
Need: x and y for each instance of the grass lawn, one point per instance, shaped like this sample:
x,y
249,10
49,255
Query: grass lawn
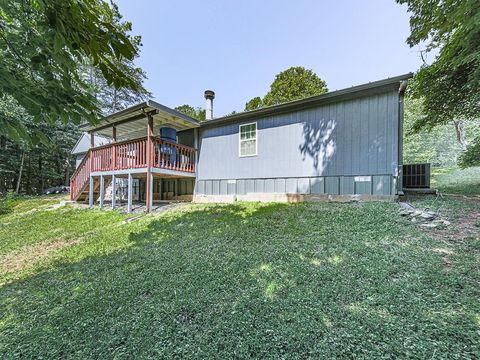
x,y
318,280
457,181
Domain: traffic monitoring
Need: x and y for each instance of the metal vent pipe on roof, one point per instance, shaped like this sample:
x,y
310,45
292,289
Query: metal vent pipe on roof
x,y
209,96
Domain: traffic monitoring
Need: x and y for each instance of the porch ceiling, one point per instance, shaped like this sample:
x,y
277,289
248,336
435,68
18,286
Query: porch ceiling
x,y
132,122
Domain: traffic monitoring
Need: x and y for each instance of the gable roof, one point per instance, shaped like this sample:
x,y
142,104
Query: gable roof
x,y
390,84
83,143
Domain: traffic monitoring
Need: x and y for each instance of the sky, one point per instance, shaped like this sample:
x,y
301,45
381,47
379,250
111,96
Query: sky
x,y
237,47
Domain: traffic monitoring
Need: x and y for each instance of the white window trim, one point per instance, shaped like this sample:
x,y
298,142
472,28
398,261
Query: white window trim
x,y
240,139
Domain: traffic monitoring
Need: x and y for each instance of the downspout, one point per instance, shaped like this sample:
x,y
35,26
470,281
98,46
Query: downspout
x,y
401,95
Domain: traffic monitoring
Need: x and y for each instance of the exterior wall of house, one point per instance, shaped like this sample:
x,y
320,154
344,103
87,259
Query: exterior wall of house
x,y
78,159
186,137
342,148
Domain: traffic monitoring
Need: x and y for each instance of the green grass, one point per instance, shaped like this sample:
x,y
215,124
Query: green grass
x,y
457,181
235,281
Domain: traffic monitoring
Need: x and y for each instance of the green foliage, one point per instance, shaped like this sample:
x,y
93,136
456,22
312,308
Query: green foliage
x,y
43,45
457,181
7,202
46,155
246,280
292,84
254,103
195,113
449,86
471,156
112,99
436,146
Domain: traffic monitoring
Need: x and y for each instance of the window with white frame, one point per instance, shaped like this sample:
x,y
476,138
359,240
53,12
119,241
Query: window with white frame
x,y
248,139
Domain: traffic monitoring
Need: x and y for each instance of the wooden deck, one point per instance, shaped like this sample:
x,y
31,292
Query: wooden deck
x,y
142,155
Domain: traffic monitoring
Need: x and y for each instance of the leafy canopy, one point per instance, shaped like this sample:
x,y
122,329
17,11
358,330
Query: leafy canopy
x,y
195,113
43,44
292,84
450,85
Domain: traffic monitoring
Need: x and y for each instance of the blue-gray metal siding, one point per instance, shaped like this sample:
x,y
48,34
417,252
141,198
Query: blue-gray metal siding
x,y
333,185
353,137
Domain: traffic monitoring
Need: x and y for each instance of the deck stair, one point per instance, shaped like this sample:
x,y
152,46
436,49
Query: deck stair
x,y
79,186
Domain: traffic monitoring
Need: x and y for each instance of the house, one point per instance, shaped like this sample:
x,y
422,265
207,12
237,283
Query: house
x,y
83,145
340,144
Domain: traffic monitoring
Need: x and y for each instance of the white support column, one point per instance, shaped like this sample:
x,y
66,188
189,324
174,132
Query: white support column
x,y
150,179
175,193
90,192
114,190
130,193
102,190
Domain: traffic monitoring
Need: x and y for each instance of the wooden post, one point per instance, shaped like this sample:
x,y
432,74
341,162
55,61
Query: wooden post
x,y
130,193
90,192
149,184
195,157
160,181
114,190
114,149
92,145
102,190
151,192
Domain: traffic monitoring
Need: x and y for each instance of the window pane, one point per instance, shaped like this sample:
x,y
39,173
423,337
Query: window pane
x,y
247,147
248,136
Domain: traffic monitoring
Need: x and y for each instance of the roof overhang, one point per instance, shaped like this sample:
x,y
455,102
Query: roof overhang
x,y
391,84
132,122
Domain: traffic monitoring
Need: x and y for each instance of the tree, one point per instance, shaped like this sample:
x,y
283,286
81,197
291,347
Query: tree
x,y
110,98
436,146
292,84
195,113
20,160
43,45
449,86
255,103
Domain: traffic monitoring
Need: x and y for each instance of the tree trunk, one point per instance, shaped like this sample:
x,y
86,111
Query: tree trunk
x,y
460,130
19,180
67,170
28,187
114,101
3,178
58,167
40,173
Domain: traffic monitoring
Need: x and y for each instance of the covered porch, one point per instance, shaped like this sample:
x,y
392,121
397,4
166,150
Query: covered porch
x,y
150,145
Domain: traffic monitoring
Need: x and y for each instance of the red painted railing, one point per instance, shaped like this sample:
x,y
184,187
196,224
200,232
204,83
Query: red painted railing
x,y
132,154
128,154
168,155
80,177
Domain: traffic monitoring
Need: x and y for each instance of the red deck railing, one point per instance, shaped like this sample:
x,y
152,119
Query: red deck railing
x,y
168,155
80,177
132,154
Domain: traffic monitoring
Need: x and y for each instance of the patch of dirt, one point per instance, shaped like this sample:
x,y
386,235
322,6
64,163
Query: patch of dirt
x,y
29,255
465,226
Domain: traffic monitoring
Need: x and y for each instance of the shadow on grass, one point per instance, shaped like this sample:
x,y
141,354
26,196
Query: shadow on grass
x,y
246,280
